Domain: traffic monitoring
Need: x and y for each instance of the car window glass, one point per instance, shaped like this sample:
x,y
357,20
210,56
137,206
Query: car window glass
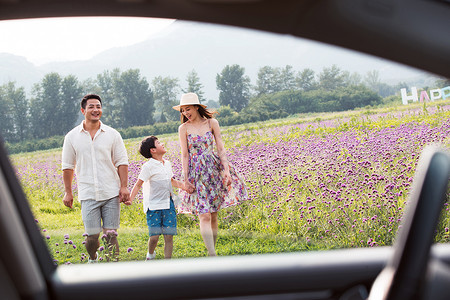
x,y
325,140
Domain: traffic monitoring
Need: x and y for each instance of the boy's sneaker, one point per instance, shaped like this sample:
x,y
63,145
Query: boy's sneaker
x,y
93,261
150,256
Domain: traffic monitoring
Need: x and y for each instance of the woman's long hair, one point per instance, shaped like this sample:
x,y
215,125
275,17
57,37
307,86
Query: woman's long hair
x,y
204,113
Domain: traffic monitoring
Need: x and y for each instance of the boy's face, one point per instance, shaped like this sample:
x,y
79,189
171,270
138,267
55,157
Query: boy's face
x,y
159,148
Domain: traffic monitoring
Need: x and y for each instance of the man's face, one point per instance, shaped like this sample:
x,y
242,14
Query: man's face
x,y
93,110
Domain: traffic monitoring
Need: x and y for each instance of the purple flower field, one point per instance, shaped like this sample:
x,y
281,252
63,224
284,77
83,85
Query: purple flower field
x,y
341,181
333,183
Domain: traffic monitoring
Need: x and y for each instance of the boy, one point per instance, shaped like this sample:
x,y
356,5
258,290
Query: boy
x,y
157,177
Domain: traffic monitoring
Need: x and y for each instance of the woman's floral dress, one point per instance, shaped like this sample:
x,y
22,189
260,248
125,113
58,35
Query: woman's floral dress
x,y
206,173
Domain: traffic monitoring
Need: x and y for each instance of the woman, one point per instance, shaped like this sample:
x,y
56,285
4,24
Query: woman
x,y
214,181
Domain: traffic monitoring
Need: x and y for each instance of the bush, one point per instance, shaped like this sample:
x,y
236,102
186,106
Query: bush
x,y
156,129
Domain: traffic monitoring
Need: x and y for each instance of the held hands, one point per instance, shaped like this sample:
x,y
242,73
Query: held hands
x,y
124,196
129,201
188,187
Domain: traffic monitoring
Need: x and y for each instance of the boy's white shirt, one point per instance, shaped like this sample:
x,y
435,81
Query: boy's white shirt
x,y
157,186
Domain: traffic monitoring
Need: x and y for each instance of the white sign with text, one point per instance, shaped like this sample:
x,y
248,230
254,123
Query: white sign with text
x,y
435,94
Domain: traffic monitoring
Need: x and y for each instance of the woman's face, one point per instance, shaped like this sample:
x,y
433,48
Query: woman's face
x,y
189,111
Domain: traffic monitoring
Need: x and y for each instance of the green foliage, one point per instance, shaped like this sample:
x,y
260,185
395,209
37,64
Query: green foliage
x,y
234,87
272,80
291,102
351,97
156,129
35,145
194,85
136,100
268,81
111,104
305,80
71,92
212,104
6,118
331,78
54,105
225,111
296,102
165,92
127,98
393,100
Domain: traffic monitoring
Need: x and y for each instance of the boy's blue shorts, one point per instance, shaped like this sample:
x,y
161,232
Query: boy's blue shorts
x,y
162,221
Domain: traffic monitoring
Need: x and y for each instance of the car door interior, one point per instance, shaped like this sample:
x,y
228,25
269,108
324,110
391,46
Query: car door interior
x,y
405,275
406,31
25,261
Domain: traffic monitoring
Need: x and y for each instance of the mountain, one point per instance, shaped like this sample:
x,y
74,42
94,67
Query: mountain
x,y
19,69
207,49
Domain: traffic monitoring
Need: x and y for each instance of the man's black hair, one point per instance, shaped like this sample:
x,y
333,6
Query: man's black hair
x,y
87,97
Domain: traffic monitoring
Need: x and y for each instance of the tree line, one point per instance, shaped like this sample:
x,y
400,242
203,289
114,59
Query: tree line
x,y
132,103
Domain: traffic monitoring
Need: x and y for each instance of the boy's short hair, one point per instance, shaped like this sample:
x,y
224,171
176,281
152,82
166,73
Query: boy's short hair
x,y
147,144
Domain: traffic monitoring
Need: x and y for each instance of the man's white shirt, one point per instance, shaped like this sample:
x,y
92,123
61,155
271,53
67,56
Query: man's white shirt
x,y
95,161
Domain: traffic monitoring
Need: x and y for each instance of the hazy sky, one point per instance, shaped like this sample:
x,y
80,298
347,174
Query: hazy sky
x,y
64,39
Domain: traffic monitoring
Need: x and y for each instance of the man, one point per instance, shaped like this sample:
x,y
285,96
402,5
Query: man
x,y
98,155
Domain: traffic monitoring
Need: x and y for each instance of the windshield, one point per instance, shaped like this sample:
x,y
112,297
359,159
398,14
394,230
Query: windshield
x,y
320,143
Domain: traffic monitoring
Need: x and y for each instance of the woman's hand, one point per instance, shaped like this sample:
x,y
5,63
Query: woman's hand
x,y
227,178
188,187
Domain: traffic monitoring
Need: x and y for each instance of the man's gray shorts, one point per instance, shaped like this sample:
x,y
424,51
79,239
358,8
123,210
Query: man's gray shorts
x,y
94,212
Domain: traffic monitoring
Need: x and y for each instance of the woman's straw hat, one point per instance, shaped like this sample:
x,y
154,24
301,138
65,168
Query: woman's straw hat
x,y
188,99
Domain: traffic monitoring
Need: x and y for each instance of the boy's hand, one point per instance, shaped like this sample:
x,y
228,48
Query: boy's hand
x,y
128,202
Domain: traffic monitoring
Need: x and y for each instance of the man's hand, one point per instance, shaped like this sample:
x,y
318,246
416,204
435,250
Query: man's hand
x,y
124,195
68,200
67,179
129,201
